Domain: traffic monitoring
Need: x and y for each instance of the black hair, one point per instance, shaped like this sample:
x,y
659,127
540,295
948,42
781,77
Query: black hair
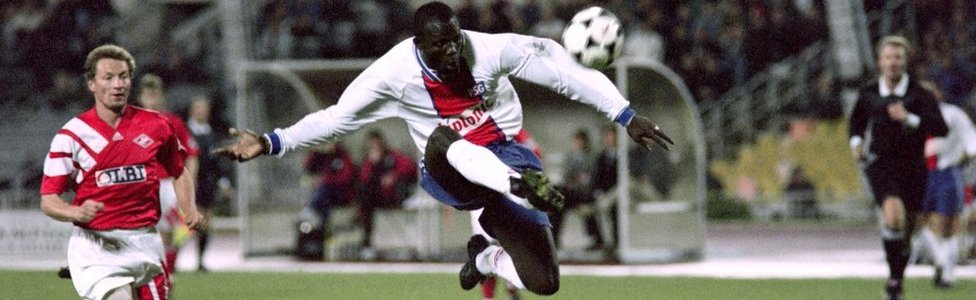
x,y
583,136
433,11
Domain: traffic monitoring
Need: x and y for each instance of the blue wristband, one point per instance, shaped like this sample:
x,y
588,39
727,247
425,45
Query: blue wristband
x,y
274,141
625,116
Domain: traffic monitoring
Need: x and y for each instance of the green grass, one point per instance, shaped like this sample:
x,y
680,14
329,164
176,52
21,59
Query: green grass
x,y
293,285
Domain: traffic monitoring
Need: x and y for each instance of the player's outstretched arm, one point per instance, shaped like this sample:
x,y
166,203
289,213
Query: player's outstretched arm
x,y
248,146
643,131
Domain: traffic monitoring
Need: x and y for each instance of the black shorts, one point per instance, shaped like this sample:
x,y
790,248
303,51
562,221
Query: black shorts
x,y
905,182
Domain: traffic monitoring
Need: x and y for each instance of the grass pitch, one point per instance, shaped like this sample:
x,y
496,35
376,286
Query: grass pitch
x,y
293,285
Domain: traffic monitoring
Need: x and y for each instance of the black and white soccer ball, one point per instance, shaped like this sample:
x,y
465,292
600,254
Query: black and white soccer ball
x,y
594,37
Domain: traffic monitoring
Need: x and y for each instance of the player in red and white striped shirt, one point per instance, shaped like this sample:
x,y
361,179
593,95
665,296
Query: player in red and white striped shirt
x,y
113,155
152,96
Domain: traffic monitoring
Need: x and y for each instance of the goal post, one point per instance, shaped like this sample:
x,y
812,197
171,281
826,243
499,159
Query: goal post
x,y
662,194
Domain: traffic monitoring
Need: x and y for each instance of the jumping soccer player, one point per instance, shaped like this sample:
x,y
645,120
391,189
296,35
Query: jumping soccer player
x,y
451,87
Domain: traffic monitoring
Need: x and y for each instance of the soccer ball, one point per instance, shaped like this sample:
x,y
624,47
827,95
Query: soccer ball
x,y
594,37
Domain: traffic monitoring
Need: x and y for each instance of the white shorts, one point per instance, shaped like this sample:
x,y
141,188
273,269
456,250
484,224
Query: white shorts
x,y
101,261
169,210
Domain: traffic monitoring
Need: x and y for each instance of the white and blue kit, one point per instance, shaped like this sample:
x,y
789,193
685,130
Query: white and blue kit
x,y
944,187
485,111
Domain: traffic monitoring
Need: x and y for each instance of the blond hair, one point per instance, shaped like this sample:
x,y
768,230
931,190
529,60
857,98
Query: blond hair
x,y
897,41
151,82
107,51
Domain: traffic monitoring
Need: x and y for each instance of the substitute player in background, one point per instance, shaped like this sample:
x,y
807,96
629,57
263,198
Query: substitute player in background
x,y
900,115
116,155
452,89
944,191
152,96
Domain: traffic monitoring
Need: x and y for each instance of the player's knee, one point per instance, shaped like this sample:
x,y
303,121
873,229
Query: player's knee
x,y
547,284
441,139
435,154
545,279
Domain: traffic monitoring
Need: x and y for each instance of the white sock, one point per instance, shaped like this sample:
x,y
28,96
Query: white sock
x,y
494,260
919,249
480,165
933,245
952,257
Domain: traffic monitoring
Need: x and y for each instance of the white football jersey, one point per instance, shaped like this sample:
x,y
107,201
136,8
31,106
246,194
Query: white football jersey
x,y
399,84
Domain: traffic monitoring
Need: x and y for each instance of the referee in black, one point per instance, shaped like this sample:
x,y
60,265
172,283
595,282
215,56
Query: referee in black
x,y
898,115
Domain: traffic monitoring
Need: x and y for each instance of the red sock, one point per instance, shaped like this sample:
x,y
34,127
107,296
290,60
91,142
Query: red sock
x,y
171,259
158,288
488,288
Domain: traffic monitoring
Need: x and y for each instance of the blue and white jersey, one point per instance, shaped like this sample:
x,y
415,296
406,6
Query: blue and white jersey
x,y
484,110
958,144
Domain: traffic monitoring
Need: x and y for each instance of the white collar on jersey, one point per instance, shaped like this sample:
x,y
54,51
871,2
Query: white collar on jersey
x,y
423,66
900,90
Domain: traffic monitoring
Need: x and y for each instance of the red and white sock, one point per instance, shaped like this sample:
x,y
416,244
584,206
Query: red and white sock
x,y
488,288
494,260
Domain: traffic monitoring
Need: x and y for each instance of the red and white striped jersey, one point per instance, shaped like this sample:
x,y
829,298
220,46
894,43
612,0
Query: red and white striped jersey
x,y
119,167
183,134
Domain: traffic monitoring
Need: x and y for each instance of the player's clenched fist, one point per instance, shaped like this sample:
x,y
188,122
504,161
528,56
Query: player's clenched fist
x,y
89,209
643,131
248,146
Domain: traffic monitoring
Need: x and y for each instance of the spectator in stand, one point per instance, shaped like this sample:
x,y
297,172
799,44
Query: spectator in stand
x,y
733,56
605,178
758,52
25,18
529,14
825,98
386,177
337,186
65,92
275,39
372,24
569,8
548,26
679,40
304,16
801,195
577,187
469,15
498,17
644,41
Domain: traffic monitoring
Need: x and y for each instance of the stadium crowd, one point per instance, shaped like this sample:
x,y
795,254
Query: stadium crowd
x,y
714,45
